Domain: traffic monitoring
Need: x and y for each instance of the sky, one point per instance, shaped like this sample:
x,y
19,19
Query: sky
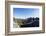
x,y
24,13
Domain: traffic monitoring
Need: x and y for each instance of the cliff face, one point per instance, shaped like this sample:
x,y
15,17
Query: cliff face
x,y
18,22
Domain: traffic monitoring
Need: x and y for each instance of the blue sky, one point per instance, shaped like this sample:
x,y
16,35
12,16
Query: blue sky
x,y
25,12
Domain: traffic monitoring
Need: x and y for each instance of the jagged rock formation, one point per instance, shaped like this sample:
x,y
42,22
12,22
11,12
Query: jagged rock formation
x,y
28,22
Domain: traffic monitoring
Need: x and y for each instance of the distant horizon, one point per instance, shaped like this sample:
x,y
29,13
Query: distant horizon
x,y
23,13
25,18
